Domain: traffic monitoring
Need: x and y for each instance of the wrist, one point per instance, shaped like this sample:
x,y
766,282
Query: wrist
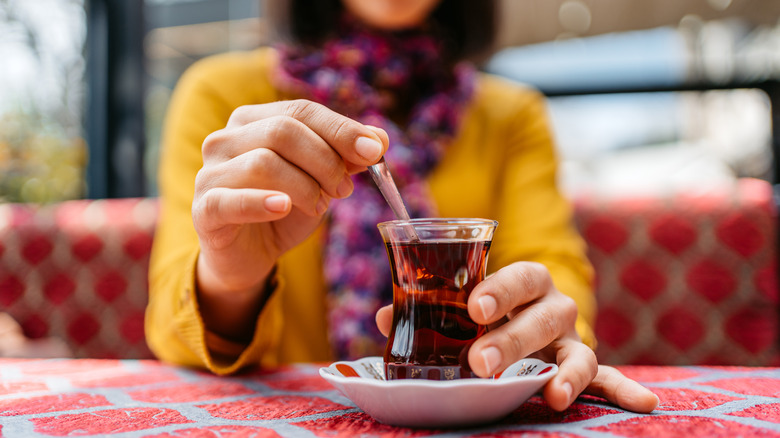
x,y
230,307
216,276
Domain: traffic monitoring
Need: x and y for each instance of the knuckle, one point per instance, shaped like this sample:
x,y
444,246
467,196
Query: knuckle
x,y
568,308
344,130
206,178
240,115
589,369
533,278
243,206
203,207
514,343
213,142
209,204
336,173
200,180
524,279
300,108
502,289
542,276
592,360
260,159
277,128
337,127
544,320
588,356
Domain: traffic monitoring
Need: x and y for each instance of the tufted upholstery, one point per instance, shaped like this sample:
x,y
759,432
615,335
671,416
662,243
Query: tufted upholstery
x,y
78,270
681,279
686,279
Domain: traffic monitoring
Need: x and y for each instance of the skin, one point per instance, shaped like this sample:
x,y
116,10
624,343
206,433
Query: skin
x,y
269,176
391,14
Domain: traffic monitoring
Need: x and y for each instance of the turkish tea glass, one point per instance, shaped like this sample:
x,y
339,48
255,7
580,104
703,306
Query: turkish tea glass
x,y
435,264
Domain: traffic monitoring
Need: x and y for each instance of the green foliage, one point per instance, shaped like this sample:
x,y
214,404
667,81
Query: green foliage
x,y
42,150
38,162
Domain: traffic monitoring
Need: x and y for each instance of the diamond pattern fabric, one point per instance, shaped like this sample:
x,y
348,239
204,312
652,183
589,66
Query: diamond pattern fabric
x,y
681,279
686,279
77,270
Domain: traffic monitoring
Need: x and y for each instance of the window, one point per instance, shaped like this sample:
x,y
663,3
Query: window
x,y
137,51
84,95
43,153
681,107
179,33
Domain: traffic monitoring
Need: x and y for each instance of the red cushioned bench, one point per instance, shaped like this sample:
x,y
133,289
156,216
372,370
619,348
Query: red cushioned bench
x,y
681,279
686,279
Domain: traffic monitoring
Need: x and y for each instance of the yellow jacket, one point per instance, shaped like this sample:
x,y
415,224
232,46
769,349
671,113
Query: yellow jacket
x,y
502,166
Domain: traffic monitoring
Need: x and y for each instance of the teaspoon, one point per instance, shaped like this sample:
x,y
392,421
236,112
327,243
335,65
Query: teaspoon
x,y
384,180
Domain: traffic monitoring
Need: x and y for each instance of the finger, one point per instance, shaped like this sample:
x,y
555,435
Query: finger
x,y
223,206
515,285
288,138
264,169
533,329
355,142
384,319
618,389
577,366
355,168
381,133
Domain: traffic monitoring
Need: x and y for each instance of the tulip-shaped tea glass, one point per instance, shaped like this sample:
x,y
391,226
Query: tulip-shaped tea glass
x,y
435,264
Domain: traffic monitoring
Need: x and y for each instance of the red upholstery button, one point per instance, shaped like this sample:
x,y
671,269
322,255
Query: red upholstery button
x,y
711,280
110,285
11,289
87,247
606,233
36,248
740,234
642,278
672,233
59,288
681,328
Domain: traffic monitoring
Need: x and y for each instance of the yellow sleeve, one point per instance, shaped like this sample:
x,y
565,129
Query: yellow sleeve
x,y
200,105
535,219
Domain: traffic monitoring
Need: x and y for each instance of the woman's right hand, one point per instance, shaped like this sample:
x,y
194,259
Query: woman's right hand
x,y
266,181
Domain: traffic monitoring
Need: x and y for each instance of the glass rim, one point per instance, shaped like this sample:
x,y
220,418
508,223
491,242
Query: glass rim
x,y
439,222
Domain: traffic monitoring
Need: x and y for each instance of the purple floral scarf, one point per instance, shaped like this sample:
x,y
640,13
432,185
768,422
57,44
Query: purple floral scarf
x,y
345,75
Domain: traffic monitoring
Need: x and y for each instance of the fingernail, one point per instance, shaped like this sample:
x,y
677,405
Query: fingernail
x,y
368,148
488,306
322,204
345,187
568,390
276,203
492,358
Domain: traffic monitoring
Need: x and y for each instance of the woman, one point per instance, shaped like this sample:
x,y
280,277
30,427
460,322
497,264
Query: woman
x,y
267,250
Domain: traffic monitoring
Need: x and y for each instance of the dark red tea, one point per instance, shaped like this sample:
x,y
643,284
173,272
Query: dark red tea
x,y
432,331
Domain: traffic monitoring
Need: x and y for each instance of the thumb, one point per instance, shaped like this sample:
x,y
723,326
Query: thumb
x,y
384,319
382,134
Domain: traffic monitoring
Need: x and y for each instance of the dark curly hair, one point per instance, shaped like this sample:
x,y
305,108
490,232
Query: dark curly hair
x,y
467,26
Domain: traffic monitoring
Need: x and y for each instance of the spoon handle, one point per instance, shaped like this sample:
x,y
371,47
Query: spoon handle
x,y
384,180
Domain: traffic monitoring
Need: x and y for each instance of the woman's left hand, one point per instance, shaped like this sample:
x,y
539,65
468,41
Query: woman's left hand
x,y
528,316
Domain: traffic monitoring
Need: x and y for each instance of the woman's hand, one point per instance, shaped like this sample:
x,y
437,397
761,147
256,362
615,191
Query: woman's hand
x,y
528,316
267,179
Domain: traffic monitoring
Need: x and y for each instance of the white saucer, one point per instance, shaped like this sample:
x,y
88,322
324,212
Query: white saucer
x,y
429,403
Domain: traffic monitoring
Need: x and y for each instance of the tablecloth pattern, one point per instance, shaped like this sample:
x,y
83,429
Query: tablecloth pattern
x,y
128,398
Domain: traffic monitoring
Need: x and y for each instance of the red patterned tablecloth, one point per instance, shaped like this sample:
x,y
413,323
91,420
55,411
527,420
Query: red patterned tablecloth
x,y
86,397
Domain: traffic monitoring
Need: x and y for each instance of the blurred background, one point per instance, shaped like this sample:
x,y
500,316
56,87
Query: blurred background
x,y
645,96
